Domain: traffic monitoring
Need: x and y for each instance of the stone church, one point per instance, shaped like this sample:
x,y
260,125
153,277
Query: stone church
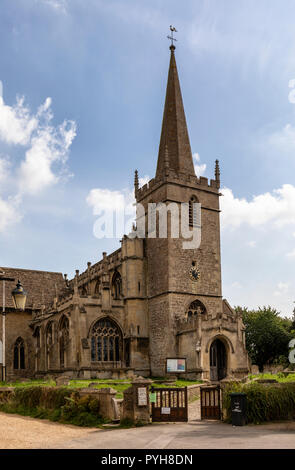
x,y
148,301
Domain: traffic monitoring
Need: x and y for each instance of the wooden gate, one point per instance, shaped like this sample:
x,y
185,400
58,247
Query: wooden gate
x,y
210,403
170,405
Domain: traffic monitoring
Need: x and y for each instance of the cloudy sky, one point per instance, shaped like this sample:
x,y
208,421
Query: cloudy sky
x,y
81,100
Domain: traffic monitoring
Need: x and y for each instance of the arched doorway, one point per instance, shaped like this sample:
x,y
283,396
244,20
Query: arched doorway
x,y
217,360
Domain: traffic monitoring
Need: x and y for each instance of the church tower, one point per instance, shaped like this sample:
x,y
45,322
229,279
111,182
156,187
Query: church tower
x,y
178,276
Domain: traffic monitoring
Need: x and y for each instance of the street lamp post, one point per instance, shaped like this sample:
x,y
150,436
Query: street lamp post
x,y
19,296
4,279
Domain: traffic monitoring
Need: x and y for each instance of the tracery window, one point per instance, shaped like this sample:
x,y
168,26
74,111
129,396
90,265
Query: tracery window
x,y
106,341
19,354
195,308
63,339
117,285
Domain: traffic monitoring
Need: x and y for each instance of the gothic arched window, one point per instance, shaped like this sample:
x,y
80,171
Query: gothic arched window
x,y
19,354
97,287
63,339
37,335
195,308
106,341
192,212
83,290
117,285
49,334
49,341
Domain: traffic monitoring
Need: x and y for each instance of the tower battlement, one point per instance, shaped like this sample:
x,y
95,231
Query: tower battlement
x,y
172,177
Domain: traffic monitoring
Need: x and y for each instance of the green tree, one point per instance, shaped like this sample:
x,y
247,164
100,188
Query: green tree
x,y
267,335
293,320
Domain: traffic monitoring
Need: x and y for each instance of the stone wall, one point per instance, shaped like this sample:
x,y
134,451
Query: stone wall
x,y
17,326
105,396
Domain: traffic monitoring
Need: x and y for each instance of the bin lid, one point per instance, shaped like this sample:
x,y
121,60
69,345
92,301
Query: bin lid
x,y
238,394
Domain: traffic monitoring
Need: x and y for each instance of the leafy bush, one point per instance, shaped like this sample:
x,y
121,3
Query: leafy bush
x,y
45,397
264,402
54,403
267,336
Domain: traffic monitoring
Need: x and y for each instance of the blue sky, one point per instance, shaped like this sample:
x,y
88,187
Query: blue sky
x,y
83,92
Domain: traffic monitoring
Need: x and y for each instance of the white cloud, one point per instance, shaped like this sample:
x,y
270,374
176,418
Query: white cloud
x,y
49,147
144,180
282,288
58,5
291,254
105,200
277,208
115,211
16,124
251,243
4,168
283,141
8,213
44,153
200,169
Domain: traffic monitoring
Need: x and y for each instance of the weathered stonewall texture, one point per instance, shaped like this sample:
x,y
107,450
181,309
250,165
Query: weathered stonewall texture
x,y
126,314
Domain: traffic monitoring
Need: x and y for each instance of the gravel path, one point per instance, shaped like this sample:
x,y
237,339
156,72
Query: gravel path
x,y
18,432
22,432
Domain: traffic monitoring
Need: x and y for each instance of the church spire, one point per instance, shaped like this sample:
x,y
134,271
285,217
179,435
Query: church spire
x,y
174,141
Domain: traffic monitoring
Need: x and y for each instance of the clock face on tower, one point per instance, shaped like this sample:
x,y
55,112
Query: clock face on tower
x,y
194,273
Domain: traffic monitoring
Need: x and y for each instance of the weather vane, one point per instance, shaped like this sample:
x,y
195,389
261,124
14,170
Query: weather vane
x,y
172,38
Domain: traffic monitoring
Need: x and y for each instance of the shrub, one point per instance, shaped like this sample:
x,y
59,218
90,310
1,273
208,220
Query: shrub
x,y
54,403
264,402
45,397
126,423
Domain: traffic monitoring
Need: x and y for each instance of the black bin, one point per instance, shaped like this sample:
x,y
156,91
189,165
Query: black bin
x,y
238,408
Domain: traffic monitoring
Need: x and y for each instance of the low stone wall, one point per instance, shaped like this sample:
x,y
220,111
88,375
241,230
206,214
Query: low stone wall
x,y
105,396
193,391
272,369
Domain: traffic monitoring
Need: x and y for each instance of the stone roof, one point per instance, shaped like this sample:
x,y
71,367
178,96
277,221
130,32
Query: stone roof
x,y
175,150
41,286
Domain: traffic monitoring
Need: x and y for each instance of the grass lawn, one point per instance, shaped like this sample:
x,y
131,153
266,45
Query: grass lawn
x,y
280,377
116,384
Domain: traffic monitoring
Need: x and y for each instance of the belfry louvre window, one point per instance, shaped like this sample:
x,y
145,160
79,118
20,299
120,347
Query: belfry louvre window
x,y
106,341
19,354
192,212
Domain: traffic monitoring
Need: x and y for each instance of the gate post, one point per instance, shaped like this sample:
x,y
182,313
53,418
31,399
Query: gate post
x,y
136,402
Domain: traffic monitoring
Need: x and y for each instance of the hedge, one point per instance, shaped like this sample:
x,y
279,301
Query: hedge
x,y
265,402
54,403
